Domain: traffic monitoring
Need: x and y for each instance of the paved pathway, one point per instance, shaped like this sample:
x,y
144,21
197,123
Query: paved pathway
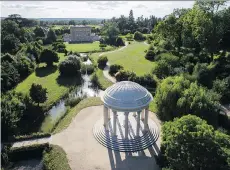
x,y
107,75
85,153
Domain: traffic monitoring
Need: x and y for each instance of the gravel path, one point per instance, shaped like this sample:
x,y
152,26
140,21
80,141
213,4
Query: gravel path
x,y
107,75
85,153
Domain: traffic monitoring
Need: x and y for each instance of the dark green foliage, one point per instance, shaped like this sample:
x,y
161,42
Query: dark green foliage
x,y
59,47
94,80
102,60
204,73
39,32
27,152
10,76
70,67
111,32
51,37
30,136
150,55
25,67
222,87
10,44
89,69
8,57
119,42
185,98
72,101
38,93
102,45
139,36
48,57
113,69
12,108
190,143
162,69
123,75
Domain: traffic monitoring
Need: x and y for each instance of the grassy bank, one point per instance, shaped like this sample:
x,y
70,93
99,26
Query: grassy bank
x,y
131,58
49,78
55,158
66,120
104,82
86,47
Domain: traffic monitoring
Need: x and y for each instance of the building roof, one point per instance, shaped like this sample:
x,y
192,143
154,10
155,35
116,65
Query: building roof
x,y
126,96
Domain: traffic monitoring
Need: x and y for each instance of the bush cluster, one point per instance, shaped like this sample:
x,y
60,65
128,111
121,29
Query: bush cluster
x,y
139,36
114,69
102,60
70,67
146,80
72,101
89,69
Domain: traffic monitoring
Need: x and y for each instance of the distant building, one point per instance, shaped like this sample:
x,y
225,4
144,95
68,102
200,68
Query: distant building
x,y
79,34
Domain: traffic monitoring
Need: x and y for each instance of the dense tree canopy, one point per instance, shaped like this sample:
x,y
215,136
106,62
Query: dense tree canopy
x,y
38,93
190,143
49,57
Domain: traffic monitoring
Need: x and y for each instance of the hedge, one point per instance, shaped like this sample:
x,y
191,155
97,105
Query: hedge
x,y
29,136
27,152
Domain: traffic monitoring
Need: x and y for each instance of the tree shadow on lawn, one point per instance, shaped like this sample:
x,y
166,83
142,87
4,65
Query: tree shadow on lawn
x,y
69,81
45,71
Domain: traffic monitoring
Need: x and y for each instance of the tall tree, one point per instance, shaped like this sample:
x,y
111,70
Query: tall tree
x,y
48,57
131,21
38,93
190,143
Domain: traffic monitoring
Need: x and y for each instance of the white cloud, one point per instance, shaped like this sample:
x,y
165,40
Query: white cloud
x,y
90,9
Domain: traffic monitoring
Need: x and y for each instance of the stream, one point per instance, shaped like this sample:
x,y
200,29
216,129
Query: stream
x,y
84,90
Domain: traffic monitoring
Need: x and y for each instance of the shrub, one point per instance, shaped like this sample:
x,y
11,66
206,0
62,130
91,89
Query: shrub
x,y
150,55
147,80
72,101
89,69
70,66
119,42
123,75
102,45
27,152
30,136
48,57
114,69
102,60
139,36
94,80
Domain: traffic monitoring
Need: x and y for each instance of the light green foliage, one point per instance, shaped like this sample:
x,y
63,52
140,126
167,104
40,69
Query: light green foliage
x,y
190,143
177,96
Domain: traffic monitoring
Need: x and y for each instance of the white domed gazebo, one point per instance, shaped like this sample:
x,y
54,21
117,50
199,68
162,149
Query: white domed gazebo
x,y
123,131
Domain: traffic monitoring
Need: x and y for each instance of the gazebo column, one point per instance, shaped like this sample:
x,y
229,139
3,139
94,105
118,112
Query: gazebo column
x,y
106,117
114,122
109,113
143,114
138,123
146,118
126,125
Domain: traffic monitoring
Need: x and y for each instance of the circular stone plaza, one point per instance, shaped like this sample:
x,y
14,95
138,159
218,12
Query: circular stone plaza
x,y
120,134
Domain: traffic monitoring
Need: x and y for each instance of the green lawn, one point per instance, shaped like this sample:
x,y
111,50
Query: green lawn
x,y
131,58
86,47
55,158
48,77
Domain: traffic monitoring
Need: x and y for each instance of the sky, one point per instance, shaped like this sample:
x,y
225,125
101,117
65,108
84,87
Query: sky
x,y
90,9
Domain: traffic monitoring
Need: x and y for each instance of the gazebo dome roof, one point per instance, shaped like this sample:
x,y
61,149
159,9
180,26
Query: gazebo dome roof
x,y
126,96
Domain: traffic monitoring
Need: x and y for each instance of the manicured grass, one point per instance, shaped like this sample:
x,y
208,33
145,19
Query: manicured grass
x,y
86,47
104,82
55,158
66,120
48,77
131,58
